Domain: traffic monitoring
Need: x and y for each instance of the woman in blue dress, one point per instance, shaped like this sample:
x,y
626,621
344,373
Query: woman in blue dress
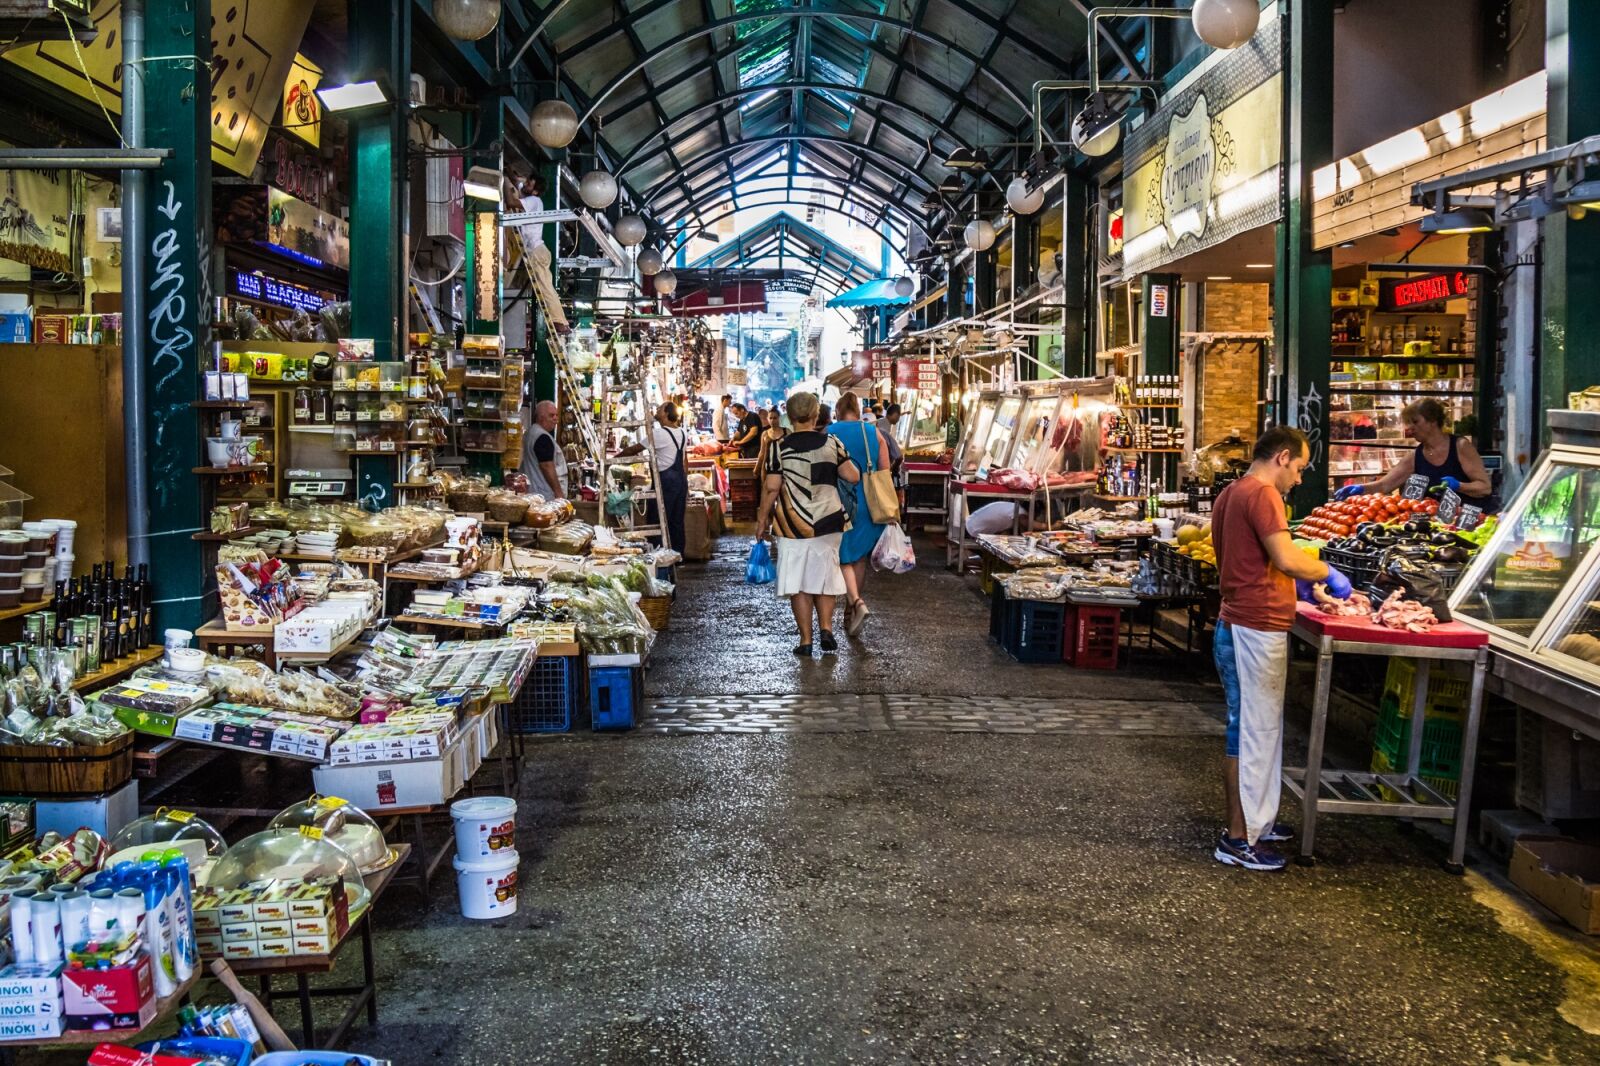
x,y
869,451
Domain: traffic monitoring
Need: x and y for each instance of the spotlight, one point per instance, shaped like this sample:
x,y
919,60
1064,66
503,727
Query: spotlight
x,y
1097,128
1461,220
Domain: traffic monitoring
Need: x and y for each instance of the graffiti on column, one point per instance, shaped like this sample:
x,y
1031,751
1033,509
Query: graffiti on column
x,y
172,341
1310,422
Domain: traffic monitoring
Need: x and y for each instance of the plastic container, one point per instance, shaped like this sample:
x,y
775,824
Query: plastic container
x,y
11,564
1034,631
546,700
12,581
342,824
613,692
488,887
64,565
314,1058
65,530
186,660
10,598
486,827
34,560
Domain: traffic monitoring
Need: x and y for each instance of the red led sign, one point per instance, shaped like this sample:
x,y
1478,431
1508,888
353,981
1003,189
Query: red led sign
x,y
1401,293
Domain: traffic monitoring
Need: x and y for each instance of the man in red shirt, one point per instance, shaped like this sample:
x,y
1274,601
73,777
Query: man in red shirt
x,y
1258,565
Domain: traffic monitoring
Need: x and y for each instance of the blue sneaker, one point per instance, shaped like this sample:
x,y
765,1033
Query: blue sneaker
x,y
1231,852
1278,834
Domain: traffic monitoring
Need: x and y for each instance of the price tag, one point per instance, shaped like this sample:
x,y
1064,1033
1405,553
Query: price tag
x,y
343,414
1416,487
1471,515
311,831
1449,507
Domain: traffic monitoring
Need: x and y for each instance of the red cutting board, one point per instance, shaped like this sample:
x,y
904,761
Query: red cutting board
x,y
1446,635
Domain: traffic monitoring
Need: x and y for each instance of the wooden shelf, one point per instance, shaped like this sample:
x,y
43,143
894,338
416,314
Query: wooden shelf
x,y
26,609
166,1006
118,669
1350,390
1452,358
1119,499
415,485
1148,451
321,656
231,535
253,468
220,405
486,451
1151,406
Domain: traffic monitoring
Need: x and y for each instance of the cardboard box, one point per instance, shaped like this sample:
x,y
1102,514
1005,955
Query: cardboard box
x,y
238,932
239,949
391,785
33,1028
210,945
16,327
120,990
17,817
31,981
106,814
12,1010
1563,874
278,929
321,925
275,948
314,945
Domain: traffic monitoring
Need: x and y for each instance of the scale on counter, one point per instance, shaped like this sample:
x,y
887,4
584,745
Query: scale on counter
x,y
321,484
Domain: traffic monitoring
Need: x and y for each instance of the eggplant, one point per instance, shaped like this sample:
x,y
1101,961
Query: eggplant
x,y
1453,554
1419,525
1442,539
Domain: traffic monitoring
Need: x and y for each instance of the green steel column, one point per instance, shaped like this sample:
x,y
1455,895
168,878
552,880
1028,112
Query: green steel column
x,y
177,323
543,380
1570,349
488,126
1304,295
1078,282
1159,333
380,47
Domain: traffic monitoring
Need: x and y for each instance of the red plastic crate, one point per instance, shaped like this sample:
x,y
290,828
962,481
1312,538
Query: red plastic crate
x,y
1093,635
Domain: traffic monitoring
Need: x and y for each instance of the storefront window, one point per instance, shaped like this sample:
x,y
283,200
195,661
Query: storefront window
x,y
1577,637
1535,552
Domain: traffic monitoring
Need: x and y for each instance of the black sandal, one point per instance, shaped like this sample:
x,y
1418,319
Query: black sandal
x,y
803,650
827,641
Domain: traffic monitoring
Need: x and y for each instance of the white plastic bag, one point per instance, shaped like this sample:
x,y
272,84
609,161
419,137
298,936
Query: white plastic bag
x,y
894,551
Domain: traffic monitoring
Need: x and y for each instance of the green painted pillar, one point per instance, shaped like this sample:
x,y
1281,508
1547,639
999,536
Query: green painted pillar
x,y
1570,350
1078,281
177,325
380,47
543,379
1158,333
486,127
1303,299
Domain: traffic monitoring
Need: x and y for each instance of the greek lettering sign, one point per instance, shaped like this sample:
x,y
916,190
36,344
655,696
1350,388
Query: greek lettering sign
x,y
1206,166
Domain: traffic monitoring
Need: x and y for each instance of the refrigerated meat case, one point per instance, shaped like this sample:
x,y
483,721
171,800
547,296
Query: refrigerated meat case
x,y
1535,587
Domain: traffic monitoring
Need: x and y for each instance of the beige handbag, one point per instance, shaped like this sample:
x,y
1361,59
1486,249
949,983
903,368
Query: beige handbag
x,y
882,499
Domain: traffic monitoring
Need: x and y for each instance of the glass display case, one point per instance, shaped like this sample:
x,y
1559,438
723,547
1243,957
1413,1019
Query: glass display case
x,y
1033,430
1001,434
1535,587
979,421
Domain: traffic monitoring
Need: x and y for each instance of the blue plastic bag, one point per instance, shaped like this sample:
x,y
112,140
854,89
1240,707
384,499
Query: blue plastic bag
x,y
760,570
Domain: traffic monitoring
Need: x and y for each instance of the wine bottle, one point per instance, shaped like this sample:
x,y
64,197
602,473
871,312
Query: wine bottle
x,y
147,617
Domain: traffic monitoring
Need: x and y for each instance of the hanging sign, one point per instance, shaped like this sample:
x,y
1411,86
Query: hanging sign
x,y
1206,166
302,109
253,47
486,267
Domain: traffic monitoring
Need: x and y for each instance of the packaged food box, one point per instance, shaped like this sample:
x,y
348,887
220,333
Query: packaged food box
x,y
29,980
41,1028
117,990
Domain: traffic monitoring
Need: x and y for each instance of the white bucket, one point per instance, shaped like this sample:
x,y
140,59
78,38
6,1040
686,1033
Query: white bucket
x,y
488,887
486,827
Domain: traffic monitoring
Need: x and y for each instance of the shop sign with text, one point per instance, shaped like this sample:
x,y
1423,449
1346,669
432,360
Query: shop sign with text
x,y
1403,294
1205,167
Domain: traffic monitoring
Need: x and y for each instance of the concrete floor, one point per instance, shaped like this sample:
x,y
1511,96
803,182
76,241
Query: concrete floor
x,y
898,894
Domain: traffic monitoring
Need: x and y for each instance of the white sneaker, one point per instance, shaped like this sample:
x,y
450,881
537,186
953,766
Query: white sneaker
x,y
857,618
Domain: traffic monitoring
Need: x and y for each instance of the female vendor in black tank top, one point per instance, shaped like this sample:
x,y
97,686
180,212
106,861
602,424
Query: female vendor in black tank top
x,y
1442,457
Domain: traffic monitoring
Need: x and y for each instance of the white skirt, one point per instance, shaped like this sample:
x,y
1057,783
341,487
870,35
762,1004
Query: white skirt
x,y
810,565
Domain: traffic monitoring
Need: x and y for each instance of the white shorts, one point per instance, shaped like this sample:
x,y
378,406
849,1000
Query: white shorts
x,y
810,565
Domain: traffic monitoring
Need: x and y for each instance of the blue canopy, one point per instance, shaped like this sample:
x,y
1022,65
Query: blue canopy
x,y
876,293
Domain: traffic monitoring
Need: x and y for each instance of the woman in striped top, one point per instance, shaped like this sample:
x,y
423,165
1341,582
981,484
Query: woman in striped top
x,y
800,501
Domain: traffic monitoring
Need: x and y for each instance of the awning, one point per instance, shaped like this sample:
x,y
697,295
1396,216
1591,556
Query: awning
x,y
876,293
846,379
741,298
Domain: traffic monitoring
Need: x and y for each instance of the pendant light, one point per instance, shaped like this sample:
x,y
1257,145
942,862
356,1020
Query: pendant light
x,y
629,230
597,189
649,262
1226,23
904,286
1020,199
467,20
553,123
665,283
1097,128
979,235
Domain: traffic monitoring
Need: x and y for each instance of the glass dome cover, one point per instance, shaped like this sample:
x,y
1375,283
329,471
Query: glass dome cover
x,y
285,857
342,824
168,828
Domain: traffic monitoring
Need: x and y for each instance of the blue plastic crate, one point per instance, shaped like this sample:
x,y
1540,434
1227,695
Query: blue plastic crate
x,y
547,698
999,607
614,692
1034,631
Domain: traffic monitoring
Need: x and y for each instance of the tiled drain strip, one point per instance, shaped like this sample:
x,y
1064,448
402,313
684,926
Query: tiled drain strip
x,y
843,713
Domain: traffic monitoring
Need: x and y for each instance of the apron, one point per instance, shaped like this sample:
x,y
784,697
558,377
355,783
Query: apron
x,y
530,465
675,493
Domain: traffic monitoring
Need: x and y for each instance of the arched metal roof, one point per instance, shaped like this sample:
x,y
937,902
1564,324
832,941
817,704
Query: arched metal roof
x,y
693,100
